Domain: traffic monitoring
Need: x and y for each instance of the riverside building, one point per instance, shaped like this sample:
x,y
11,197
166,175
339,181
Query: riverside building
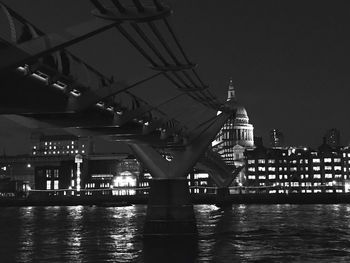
x,y
298,170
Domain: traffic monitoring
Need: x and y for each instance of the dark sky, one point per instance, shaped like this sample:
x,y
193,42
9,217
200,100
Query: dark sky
x,y
289,60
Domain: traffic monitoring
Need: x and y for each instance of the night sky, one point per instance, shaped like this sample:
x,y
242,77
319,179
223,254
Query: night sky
x,y
289,60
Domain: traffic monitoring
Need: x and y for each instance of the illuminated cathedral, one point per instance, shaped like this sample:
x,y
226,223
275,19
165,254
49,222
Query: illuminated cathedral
x,y
235,136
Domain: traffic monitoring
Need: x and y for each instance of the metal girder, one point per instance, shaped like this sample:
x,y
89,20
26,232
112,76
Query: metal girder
x,y
184,160
20,54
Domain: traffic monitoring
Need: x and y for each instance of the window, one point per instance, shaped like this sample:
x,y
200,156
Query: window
x,y
327,160
317,176
328,168
293,169
55,173
316,168
48,185
337,160
261,168
261,161
272,169
328,176
251,169
337,168
272,176
48,173
271,161
316,160
55,184
251,177
262,177
251,161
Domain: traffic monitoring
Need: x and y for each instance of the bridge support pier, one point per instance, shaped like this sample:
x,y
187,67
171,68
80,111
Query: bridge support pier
x,y
170,210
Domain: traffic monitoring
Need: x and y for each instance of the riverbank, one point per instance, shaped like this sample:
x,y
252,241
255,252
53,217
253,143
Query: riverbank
x,y
310,198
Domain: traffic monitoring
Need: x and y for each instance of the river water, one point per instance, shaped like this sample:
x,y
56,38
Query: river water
x,y
245,233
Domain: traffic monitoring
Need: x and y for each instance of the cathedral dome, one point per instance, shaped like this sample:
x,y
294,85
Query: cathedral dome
x,y
241,112
241,116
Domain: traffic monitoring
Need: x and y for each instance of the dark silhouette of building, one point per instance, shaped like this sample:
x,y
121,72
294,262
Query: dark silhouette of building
x,y
333,138
276,138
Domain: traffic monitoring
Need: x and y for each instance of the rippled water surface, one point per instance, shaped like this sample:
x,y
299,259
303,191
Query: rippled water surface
x,y
245,233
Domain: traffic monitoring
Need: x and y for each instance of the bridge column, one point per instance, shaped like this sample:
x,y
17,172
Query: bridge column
x,y
170,211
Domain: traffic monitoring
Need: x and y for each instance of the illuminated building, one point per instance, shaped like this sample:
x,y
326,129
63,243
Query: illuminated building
x,y
53,145
276,138
297,170
332,138
235,137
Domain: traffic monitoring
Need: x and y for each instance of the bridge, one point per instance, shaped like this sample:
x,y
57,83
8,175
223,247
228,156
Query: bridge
x,y
43,85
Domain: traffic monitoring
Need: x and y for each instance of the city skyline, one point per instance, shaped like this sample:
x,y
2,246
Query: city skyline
x,y
287,63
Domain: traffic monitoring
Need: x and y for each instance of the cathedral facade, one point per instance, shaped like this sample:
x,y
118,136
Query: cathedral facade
x,y
236,135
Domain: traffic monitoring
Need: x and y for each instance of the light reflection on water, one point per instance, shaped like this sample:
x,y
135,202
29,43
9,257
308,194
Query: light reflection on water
x,y
243,233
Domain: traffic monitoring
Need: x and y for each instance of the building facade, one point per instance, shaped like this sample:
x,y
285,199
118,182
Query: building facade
x,y
297,170
56,145
236,135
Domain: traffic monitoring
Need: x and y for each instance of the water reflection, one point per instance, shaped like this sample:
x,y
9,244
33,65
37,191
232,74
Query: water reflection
x,y
242,233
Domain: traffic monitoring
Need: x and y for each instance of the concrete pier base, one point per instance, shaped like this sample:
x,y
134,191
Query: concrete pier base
x,y
222,197
170,211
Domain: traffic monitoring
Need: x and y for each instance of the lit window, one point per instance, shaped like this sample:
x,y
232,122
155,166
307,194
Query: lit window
x,y
328,176
293,169
317,176
55,184
285,176
328,168
337,168
272,176
337,160
251,161
48,185
262,177
271,161
261,161
261,168
272,169
251,169
45,143
327,160
251,177
316,160
316,168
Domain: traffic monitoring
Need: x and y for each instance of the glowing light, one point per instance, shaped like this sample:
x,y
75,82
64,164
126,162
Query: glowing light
x,y
124,181
110,108
75,92
60,85
29,165
100,104
41,76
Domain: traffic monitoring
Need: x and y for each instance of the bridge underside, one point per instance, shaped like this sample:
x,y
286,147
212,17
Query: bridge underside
x,y
42,87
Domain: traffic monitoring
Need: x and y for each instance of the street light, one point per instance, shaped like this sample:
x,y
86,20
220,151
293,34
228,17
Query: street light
x,y
78,161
